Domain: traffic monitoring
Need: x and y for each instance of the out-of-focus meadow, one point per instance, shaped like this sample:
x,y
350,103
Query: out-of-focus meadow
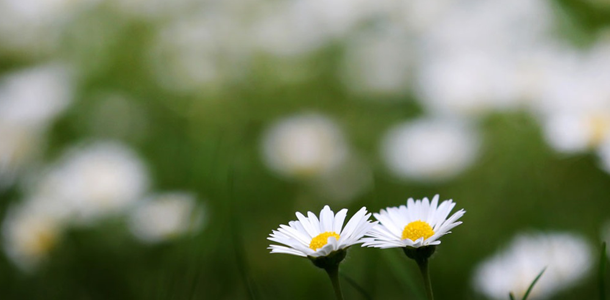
x,y
148,148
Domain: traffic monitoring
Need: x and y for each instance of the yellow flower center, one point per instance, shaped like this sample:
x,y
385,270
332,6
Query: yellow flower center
x,y
599,128
41,242
322,239
416,230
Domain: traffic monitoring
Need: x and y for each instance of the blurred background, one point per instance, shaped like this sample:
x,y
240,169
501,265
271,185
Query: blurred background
x,y
148,148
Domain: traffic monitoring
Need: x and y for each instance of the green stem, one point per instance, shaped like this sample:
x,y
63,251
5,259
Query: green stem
x,y
423,268
333,274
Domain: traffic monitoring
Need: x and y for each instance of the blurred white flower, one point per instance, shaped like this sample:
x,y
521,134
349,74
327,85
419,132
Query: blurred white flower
x,y
472,59
30,99
34,96
18,147
576,81
290,28
29,234
566,257
35,26
574,101
536,68
285,29
303,146
166,216
338,16
35,10
430,149
482,26
150,8
94,181
467,84
577,131
421,15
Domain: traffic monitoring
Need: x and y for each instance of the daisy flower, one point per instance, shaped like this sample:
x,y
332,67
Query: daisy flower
x,y
304,146
416,229
313,237
420,223
324,241
430,149
567,258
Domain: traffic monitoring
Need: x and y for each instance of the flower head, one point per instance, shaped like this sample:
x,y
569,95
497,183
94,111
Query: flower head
x,y
313,237
566,258
94,181
419,223
30,232
430,149
166,216
574,132
304,146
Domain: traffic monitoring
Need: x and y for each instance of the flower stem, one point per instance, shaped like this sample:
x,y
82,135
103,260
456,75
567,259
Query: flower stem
x,y
333,274
421,256
423,268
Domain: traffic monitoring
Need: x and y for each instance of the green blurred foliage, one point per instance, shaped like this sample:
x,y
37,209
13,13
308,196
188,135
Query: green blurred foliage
x,y
208,143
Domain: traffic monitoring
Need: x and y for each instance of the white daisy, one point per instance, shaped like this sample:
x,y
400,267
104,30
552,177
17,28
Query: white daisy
x,y
30,232
313,237
419,223
34,97
304,146
572,132
566,257
34,27
166,216
91,182
430,149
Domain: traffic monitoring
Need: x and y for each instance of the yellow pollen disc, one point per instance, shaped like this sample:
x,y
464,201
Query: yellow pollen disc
x,y
599,128
322,239
416,230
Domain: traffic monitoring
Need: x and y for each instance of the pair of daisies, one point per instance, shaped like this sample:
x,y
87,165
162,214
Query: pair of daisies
x,y
420,223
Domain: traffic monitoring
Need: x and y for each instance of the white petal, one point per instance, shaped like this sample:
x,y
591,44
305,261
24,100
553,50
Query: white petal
x,y
339,218
281,249
411,210
291,243
326,249
388,223
404,217
418,210
315,223
353,223
425,208
443,211
431,218
327,219
332,241
307,226
452,220
398,218
294,233
356,238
